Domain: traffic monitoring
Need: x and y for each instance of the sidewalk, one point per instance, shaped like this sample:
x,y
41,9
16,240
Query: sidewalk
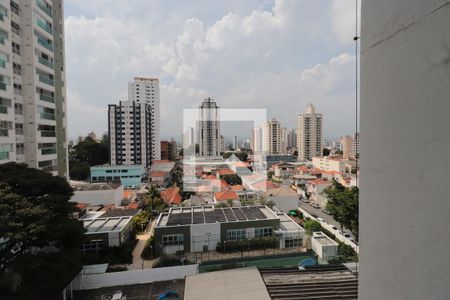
x,y
138,262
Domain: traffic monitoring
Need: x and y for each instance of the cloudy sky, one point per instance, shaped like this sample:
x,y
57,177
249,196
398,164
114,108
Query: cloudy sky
x,y
279,55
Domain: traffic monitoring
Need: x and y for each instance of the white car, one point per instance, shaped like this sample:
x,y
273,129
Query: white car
x,y
333,227
348,236
321,220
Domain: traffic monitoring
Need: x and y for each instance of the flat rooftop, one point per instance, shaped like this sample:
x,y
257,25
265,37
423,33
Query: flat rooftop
x,y
237,284
287,224
210,214
323,239
101,224
97,186
315,282
148,291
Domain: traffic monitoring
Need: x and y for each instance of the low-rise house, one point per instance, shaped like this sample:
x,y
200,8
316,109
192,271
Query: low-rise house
x,y
226,196
324,246
316,187
171,196
284,170
158,177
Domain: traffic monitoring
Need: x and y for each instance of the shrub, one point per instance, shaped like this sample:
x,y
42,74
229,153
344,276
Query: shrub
x,y
244,245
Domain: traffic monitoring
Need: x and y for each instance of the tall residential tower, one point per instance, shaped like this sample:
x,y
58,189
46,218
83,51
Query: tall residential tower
x,y
272,137
133,125
209,128
33,107
310,134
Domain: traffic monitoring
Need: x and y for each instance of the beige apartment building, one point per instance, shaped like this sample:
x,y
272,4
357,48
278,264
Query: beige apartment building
x,y
310,134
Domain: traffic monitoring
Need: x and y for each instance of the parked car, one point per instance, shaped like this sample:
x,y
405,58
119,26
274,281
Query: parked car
x,y
348,236
315,205
333,227
306,200
321,220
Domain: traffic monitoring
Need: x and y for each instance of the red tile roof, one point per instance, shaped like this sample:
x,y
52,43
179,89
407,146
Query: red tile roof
x,y
226,195
158,173
237,187
128,194
81,206
171,196
133,205
319,182
225,172
162,161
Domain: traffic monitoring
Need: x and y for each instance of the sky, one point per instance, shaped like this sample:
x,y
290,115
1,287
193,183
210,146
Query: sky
x,y
279,55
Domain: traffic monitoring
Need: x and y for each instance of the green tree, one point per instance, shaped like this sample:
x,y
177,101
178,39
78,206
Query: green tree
x,y
312,226
87,153
326,152
141,220
153,197
342,204
35,214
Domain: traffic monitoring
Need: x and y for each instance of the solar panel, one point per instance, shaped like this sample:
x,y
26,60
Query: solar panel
x,y
255,213
239,214
198,218
220,215
247,214
229,214
210,217
180,218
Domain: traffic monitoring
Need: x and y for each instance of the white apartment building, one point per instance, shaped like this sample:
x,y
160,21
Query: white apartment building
x,y
257,139
347,146
33,123
356,145
310,134
209,128
272,137
146,90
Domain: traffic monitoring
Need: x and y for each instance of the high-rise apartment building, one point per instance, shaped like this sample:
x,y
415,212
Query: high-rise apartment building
x,y
284,140
130,133
146,90
310,134
33,121
292,139
169,150
134,125
272,137
347,146
257,137
209,128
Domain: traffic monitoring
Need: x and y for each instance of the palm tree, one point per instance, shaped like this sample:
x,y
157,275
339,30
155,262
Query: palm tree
x,y
152,194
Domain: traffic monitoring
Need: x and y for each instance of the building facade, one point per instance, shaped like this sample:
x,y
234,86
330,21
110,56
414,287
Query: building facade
x,y
292,139
257,144
204,228
209,128
127,175
33,123
146,90
310,134
347,146
130,134
272,137
168,150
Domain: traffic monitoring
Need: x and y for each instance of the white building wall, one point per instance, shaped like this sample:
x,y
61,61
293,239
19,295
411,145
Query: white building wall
x,y
99,197
404,206
204,235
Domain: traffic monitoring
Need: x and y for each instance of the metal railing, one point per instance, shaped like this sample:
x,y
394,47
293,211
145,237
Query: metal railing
x,y
44,26
44,8
46,80
46,98
44,44
47,116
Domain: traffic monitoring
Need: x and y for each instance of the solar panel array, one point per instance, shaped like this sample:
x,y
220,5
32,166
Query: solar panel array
x,y
221,215
229,214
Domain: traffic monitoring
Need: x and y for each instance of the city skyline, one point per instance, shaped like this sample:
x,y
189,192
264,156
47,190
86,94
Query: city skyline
x,y
193,55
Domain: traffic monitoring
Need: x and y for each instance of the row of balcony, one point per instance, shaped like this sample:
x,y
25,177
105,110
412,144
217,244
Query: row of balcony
x,y
44,26
44,8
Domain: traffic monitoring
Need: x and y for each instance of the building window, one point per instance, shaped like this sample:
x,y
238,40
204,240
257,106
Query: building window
x,y
292,242
172,240
263,232
236,234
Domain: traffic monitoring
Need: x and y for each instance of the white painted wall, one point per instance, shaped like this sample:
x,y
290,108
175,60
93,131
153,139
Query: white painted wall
x,y
405,146
204,234
94,281
98,197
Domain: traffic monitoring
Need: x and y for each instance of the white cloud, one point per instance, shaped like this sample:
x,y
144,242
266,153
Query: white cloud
x,y
280,55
